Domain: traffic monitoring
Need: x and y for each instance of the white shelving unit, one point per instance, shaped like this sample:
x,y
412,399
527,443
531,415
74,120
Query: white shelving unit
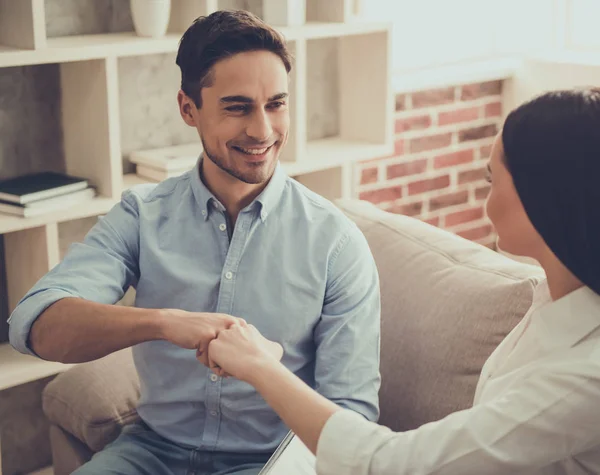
x,y
91,122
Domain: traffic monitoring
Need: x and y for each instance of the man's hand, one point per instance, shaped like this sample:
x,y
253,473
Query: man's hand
x,y
194,330
241,351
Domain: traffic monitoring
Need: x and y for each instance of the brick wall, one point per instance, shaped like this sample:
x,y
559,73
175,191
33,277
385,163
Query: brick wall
x,y
443,139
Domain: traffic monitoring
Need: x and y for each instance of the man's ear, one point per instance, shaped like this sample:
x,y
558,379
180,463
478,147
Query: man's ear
x,y
186,108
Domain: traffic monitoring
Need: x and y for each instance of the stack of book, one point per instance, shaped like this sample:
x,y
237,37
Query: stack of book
x,y
39,193
162,163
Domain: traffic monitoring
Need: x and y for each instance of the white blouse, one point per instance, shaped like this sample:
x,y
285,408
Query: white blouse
x,y
536,408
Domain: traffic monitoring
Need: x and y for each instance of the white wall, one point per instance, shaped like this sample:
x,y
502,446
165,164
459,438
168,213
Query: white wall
x,y
429,33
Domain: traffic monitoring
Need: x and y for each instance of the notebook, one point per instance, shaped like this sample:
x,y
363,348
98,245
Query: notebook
x,y
38,186
292,457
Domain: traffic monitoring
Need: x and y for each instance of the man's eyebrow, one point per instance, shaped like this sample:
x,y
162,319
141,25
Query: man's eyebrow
x,y
277,97
249,100
229,99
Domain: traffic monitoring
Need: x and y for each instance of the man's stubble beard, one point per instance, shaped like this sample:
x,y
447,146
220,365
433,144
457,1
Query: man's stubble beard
x,y
255,179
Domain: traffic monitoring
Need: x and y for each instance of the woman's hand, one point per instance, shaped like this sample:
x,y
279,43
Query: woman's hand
x,y
193,330
241,351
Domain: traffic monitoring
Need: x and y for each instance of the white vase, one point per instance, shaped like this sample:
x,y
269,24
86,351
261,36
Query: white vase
x,y
285,12
150,17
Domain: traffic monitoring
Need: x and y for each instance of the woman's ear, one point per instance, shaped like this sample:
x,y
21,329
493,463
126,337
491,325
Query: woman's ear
x,y
186,108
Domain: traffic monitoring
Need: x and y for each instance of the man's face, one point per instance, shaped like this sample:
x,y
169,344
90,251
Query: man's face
x,y
243,120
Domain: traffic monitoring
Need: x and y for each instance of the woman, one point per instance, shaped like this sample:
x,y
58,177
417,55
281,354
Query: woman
x,y
537,404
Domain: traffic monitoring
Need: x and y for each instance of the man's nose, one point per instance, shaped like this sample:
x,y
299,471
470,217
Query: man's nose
x,y
260,127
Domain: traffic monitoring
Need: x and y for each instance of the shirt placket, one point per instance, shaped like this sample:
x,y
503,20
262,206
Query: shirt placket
x,y
234,248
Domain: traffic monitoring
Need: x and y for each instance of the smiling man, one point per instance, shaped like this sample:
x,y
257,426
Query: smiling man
x,y
233,238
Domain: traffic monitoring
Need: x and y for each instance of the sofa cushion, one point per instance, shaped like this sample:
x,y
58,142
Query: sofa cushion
x,y
446,304
94,400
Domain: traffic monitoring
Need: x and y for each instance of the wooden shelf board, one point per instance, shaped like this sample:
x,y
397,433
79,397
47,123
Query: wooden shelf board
x,y
43,471
16,368
317,30
333,152
87,47
99,205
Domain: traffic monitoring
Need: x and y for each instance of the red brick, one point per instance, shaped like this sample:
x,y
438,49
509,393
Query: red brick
x,y
429,184
485,152
398,150
493,109
482,192
457,116
435,221
474,234
448,199
369,175
400,102
413,123
477,133
475,91
475,174
453,159
408,209
432,97
404,169
430,142
382,195
399,147
461,217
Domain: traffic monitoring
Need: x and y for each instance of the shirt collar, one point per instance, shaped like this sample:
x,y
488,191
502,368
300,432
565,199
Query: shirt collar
x,y
570,319
268,199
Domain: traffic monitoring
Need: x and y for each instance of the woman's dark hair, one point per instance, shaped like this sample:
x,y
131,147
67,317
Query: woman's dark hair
x,y
221,35
552,150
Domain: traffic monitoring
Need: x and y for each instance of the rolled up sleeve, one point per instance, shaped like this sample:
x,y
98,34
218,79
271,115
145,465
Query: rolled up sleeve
x,y
348,333
99,269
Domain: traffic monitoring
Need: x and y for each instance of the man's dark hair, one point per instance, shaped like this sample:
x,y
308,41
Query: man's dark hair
x,y
552,150
221,35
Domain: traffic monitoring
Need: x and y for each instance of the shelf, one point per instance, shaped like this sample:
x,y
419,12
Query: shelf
x,y
97,206
16,368
43,471
322,154
318,30
86,47
333,152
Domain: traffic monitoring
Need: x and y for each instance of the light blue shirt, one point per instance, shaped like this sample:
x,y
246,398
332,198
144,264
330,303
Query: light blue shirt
x,y
294,266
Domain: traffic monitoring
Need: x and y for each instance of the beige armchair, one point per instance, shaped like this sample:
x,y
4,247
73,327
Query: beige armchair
x,y
446,304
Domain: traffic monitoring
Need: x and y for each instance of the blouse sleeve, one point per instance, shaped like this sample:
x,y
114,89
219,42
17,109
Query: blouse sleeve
x,y
547,418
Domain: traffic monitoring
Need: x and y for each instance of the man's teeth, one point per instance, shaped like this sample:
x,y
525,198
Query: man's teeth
x,y
253,151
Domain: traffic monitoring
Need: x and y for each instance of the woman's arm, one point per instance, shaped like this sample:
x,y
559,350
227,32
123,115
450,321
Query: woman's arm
x,y
244,353
293,400
548,417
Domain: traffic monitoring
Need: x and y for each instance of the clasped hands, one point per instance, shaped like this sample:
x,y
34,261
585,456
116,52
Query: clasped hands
x,y
225,344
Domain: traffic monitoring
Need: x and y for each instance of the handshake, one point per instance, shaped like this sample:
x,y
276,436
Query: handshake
x,y
225,344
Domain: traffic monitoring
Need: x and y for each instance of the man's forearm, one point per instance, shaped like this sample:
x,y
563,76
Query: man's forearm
x,y
75,330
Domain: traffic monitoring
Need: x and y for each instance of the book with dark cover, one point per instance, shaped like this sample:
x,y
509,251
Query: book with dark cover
x,y
38,186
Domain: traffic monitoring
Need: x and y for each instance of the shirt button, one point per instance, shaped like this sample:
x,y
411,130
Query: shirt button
x,y
229,275
263,215
213,413
222,227
203,212
214,378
